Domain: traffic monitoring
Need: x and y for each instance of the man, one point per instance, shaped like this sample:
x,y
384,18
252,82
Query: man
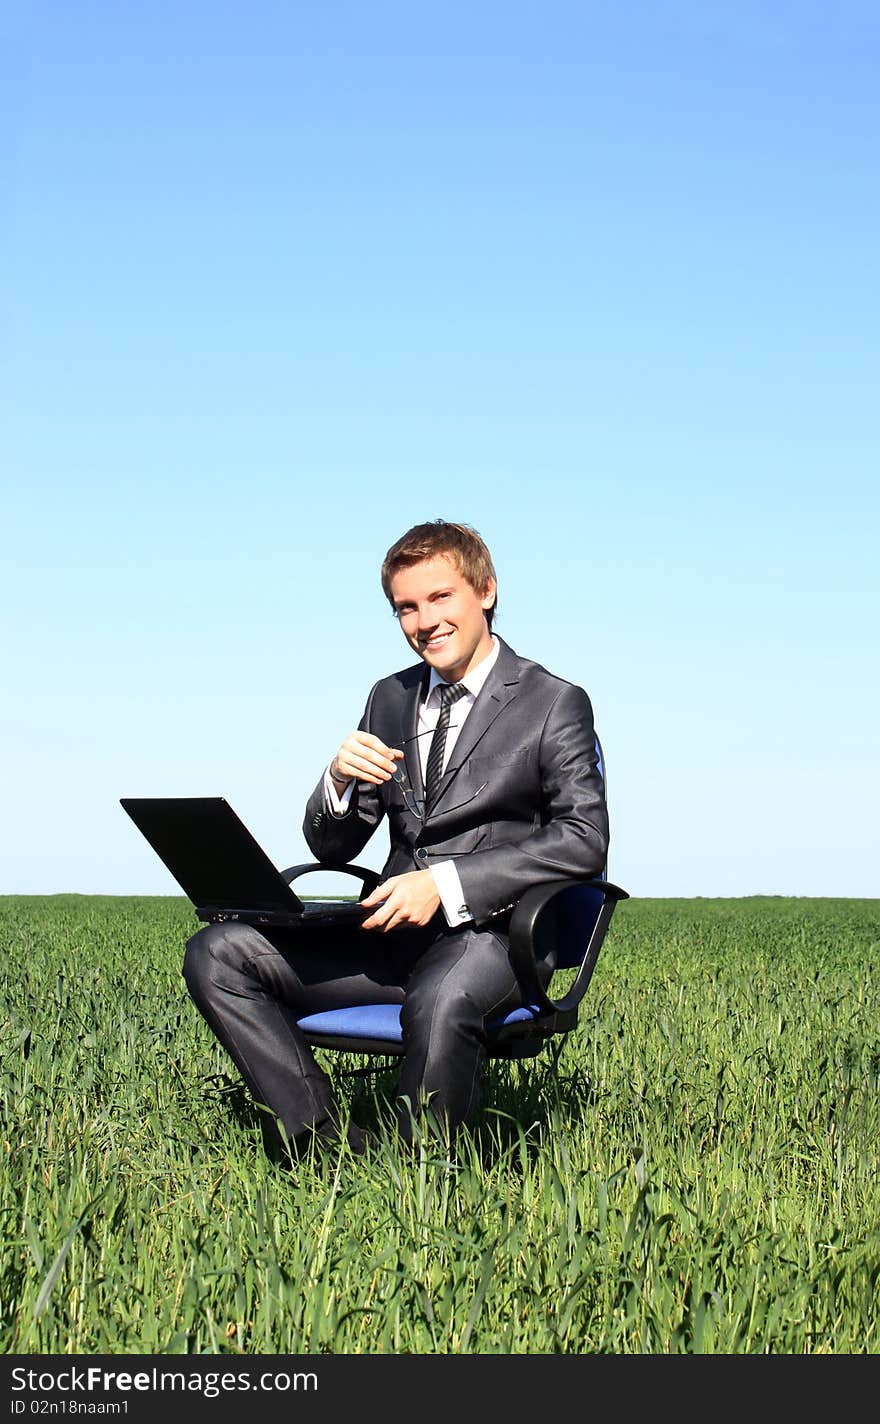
x,y
485,765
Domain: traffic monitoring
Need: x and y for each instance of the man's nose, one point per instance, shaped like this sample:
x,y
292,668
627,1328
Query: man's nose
x,y
427,617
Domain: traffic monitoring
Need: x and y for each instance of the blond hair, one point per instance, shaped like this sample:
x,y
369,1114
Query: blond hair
x,y
461,544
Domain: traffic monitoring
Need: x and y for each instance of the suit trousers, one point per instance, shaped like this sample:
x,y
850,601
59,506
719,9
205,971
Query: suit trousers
x,y
251,986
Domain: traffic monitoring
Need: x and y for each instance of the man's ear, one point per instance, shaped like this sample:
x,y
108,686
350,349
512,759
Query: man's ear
x,y
490,594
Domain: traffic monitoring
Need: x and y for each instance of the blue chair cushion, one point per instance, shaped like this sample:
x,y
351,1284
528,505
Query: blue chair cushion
x,y
375,1021
381,1022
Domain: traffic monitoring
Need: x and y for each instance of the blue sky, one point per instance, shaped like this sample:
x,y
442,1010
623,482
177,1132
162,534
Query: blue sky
x,y
279,280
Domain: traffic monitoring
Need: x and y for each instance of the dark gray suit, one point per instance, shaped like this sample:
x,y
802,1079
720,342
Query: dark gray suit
x,y
521,802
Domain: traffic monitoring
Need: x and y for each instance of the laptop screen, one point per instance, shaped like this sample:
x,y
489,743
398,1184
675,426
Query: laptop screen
x,y
211,853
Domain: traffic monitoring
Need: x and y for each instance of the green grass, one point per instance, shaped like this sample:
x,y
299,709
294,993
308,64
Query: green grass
x,y
697,1173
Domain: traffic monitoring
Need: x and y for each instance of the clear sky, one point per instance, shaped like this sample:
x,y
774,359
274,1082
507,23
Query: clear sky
x,y
278,280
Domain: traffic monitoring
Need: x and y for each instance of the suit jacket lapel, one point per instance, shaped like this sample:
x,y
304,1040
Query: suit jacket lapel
x,y
497,692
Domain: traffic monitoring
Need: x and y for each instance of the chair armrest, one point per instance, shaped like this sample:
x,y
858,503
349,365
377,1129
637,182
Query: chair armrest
x,y
527,932
370,878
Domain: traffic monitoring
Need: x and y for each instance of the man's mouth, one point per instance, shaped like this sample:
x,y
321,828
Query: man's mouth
x,y
436,641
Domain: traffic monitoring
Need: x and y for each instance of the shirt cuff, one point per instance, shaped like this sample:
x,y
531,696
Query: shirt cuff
x,y
337,805
451,894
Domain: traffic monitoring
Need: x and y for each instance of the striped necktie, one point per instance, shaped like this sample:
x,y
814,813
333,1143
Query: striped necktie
x,y
449,692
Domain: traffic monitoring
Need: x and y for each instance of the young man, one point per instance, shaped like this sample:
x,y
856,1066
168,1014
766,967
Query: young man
x,y
485,765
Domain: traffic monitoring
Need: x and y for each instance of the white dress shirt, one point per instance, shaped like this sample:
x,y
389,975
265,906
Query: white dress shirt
x,y
445,875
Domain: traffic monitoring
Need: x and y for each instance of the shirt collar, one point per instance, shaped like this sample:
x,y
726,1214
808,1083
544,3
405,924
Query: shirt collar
x,y
475,679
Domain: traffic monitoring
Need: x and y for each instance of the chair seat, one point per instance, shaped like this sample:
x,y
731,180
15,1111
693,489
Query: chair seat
x,y
381,1022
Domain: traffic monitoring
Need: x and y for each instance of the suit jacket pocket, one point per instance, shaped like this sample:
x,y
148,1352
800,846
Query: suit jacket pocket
x,y
485,765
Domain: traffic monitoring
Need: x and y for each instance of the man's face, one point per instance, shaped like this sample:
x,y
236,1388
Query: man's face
x,y
442,617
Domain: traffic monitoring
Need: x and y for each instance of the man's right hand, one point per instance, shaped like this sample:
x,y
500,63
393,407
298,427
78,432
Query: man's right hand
x,y
363,757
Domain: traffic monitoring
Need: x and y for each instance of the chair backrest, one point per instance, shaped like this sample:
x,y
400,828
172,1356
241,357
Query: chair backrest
x,y
576,910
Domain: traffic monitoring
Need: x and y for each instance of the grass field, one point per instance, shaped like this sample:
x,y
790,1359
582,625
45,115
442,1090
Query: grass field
x,y
697,1173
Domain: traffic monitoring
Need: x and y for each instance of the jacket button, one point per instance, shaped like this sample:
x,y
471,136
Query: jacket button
x,y
421,855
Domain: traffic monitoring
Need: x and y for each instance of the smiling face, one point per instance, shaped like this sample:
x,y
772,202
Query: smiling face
x,y
442,616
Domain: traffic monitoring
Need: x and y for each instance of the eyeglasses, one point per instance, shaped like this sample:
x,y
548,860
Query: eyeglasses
x,y
410,800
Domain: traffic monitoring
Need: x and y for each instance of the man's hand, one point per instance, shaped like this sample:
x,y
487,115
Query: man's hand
x,y
363,757
409,899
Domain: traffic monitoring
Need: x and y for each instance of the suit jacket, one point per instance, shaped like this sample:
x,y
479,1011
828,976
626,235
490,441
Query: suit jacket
x,y
521,801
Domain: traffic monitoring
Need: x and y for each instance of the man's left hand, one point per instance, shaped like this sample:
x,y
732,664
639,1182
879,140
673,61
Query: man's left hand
x,y
409,899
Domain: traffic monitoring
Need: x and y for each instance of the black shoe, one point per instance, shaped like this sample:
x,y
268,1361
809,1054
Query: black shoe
x,y
328,1137
313,1142
360,1139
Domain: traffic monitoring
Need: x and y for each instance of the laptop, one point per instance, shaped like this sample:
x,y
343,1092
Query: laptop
x,y
219,865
